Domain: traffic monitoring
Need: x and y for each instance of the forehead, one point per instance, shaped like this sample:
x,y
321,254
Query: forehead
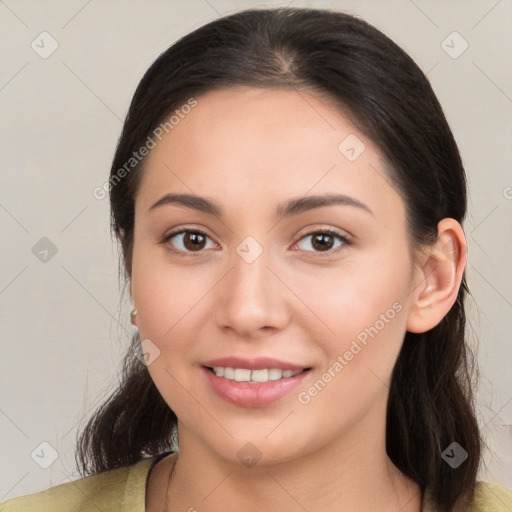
x,y
254,146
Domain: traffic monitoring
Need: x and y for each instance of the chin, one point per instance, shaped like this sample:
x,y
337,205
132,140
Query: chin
x,y
257,451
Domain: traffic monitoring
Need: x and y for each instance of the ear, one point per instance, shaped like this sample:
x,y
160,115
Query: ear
x,y
439,277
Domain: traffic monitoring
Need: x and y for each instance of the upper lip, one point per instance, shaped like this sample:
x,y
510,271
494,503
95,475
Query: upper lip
x,y
258,363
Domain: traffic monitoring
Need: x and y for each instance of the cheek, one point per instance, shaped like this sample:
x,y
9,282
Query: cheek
x,y
168,302
360,354
166,296
362,314
346,301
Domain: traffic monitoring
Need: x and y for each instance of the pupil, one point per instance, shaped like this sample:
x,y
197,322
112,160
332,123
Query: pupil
x,y
193,241
319,241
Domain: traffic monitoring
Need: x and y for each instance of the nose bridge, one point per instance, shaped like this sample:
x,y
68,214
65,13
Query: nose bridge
x,y
249,297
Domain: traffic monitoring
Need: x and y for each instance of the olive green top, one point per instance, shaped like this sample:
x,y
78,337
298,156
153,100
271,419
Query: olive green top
x,y
124,490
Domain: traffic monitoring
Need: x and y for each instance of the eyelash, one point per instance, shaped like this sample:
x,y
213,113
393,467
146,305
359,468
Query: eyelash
x,y
345,241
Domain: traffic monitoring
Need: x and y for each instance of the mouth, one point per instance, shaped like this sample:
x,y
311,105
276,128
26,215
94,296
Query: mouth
x,y
256,387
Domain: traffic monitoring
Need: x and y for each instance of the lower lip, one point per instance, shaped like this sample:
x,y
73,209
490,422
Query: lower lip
x,y
245,394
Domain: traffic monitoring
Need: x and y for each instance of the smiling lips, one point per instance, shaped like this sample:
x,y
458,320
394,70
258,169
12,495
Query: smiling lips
x,y
253,383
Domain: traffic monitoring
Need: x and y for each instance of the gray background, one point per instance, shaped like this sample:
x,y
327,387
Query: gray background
x,y
64,322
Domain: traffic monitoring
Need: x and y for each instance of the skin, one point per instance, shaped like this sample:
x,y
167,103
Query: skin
x,y
249,150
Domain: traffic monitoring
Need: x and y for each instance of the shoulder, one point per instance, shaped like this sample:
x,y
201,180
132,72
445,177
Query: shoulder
x,y
491,497
117,489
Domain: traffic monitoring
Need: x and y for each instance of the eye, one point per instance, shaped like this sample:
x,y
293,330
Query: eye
x,y
324,241
187,241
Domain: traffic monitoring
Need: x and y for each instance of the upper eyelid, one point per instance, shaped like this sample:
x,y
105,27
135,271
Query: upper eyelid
x,y
310,230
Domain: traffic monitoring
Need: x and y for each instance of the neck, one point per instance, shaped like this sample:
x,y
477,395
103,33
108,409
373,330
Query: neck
x,y
352,473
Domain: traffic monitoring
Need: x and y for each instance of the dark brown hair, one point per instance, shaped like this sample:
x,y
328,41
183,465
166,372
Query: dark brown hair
x,y
391,101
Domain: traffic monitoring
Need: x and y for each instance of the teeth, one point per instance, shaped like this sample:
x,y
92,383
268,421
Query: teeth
x,y
242,375
274,374
259,375
254,376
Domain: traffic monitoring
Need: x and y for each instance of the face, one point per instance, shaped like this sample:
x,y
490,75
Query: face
x,y
261,268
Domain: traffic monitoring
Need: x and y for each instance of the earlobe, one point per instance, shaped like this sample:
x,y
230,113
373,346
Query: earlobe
x,y
439,277
133,318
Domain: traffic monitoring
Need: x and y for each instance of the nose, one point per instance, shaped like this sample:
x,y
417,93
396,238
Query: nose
x,y
252,299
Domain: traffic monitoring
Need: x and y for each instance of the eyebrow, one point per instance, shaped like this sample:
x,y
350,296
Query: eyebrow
x,y
292,207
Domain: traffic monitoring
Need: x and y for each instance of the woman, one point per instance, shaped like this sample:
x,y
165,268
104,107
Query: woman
x,y
289,199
